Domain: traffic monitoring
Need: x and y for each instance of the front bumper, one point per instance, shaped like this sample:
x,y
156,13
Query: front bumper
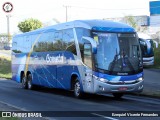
x,y
101,87
148,61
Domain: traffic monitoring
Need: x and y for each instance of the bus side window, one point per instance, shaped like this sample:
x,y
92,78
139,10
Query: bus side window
x,y
58,42
68,41
20,46
87,55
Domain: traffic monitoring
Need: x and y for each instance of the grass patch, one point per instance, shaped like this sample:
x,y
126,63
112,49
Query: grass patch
x,y
5,67
157,57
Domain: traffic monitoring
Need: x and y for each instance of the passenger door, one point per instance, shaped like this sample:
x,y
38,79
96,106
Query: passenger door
x,y
87,59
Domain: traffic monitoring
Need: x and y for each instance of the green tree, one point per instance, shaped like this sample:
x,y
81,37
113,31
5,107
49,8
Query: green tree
x,y
130,20
29,25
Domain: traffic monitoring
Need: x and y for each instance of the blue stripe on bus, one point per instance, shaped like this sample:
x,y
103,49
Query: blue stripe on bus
x,y
111,29
47,74
118,78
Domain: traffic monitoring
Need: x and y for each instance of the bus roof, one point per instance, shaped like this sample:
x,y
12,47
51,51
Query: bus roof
x,y
95,25
108,26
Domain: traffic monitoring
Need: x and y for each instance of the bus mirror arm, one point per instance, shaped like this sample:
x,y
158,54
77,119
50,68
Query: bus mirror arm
x,y
92,42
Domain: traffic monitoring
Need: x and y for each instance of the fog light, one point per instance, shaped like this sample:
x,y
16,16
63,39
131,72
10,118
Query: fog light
x,y
140,87
101,88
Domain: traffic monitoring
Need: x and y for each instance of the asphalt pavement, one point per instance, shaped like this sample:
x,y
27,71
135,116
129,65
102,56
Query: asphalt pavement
x,y
151,82
93,107
62,103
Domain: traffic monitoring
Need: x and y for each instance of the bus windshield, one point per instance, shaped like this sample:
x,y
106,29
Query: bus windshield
x,y
117,53
147,47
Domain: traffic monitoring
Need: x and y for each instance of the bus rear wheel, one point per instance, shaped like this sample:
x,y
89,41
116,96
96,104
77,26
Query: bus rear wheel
x,y
29,81
24,83
77,89
118,95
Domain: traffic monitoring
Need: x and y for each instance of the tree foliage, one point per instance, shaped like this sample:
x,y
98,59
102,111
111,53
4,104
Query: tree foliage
x,y
29,25
130,20
156,36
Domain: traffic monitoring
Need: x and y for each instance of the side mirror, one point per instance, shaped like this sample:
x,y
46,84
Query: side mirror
x,y
92,42
87,54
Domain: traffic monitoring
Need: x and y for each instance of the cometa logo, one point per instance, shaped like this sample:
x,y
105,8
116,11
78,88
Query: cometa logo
x,y
55,59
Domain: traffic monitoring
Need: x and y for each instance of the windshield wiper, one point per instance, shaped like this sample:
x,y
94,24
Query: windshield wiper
x,y
114,61
124,63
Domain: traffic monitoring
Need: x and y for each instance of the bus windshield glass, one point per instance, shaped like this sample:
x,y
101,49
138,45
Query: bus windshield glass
x,y
117,53
147,47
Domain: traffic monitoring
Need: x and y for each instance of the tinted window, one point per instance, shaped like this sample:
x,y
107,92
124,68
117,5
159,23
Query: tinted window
x,y
117,54
68,41
15,46
56,41
80,33
48,41
45,42
147,47
21,44
87,55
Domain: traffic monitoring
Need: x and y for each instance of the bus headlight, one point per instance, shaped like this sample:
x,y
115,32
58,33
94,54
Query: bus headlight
x,y
140,79
100,79
103,80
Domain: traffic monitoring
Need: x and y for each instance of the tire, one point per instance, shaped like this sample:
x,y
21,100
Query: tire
x,y
77,89
118,95
29,79
24,83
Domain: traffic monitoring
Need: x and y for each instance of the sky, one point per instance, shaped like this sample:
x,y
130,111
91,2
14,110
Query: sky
x,y
48,10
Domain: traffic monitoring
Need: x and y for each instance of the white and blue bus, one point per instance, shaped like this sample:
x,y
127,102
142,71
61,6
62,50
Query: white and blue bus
x,y
147,48
86,56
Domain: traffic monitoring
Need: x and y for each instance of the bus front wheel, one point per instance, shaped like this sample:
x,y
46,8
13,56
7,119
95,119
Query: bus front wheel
x,y
117,95
77,89
24,82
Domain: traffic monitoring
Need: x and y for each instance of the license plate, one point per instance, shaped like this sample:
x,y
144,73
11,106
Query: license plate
x,y
123,88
